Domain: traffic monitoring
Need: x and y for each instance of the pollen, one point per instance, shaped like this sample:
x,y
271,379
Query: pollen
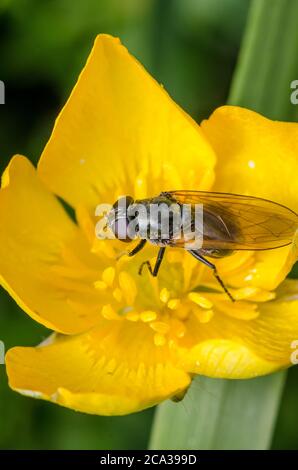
x,y
173,304
108,276
164,295
148,316
165,304
200,300
107,279
132,316
204,316
109,313
245,292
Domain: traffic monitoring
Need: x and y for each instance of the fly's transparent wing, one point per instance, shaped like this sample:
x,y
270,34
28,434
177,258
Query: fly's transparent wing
x,y
249,223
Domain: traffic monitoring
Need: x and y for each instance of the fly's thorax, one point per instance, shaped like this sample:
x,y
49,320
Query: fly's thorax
x,y
157,219
160,220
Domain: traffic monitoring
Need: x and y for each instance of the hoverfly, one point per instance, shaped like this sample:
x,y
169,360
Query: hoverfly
x,y
231,222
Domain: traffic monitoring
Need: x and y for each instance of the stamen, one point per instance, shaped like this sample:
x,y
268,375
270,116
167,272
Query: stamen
x,y
253,294
245,292
148,316
109,313
173,304
108,275
200,300
164,295
241,309
204,316
132,316
264,296
160,327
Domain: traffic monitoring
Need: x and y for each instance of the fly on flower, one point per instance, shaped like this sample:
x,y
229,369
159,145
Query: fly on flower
x,y
231,222
124,344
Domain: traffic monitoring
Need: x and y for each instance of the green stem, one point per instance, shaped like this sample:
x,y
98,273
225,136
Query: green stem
x,y
268,60
241,414
220,414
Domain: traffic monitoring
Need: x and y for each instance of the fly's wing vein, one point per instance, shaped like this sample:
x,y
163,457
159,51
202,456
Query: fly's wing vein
x,y
259,223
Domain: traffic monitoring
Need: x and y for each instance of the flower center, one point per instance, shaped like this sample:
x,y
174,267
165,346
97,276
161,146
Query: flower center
x,y
184,290
164,303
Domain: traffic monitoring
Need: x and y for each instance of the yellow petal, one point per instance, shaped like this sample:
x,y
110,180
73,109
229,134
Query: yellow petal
x,y
120,127
263,270
269,268
228,347
34,232
258,157
113,370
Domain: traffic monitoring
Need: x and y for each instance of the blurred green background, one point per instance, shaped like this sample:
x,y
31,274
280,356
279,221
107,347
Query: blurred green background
x,y
191,46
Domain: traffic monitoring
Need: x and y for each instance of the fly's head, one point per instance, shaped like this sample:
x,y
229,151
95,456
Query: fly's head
x,y
118,219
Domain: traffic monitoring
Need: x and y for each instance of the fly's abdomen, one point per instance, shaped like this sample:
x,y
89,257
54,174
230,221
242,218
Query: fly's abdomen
x,y
215,228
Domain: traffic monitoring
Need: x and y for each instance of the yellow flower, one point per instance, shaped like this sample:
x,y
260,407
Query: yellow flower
x,y
125,342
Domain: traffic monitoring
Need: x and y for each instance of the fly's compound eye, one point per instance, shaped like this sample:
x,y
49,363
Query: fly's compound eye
x,y
118,218
122,204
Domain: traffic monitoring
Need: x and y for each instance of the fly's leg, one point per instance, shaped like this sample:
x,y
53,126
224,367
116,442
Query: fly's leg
x,y
146,263
155,270
199,257
134,251
137,248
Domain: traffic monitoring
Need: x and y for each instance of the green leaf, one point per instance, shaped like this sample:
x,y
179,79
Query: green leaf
x,y
241,414
220,414
268,60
